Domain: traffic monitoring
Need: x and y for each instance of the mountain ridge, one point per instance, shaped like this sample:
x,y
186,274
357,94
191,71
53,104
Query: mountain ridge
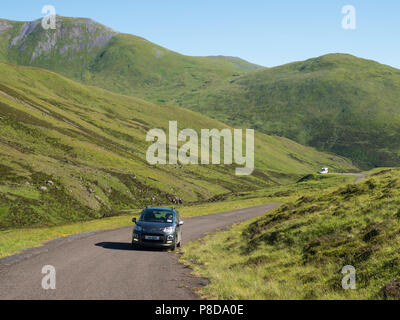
x,y
337,102
87,51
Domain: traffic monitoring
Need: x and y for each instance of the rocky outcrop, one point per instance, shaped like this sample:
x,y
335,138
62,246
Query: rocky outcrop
x,y
71,37
392,290
27,29
4,25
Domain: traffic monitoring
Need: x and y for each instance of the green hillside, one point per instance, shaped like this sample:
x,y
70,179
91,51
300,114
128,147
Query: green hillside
x,y
336,103
89,52
298,251
70,152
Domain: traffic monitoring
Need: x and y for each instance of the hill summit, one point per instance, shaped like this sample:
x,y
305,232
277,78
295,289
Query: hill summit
x,y
92,53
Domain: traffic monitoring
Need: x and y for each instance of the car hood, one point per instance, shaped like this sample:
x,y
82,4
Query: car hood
x,y
153,226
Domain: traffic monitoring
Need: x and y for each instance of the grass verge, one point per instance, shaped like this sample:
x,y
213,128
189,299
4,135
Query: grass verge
x,y
15,240
298,251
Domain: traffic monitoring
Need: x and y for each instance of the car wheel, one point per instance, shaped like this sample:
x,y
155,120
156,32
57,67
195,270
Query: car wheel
x,y
134,246
173,247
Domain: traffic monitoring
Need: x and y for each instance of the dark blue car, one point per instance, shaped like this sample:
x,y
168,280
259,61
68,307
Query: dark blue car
x,y
158,227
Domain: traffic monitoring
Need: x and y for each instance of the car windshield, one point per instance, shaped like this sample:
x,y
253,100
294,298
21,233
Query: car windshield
x,y
154,215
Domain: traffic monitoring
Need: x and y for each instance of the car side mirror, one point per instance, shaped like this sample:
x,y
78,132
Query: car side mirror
x,y
181,223
134,220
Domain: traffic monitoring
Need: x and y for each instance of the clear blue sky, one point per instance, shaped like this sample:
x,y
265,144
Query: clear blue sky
x,y
267,32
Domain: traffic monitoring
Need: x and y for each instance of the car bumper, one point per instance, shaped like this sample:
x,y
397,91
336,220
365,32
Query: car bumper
x,y
152,245
164,242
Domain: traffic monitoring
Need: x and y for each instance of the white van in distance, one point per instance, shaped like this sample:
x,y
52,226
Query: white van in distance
x,y
324,171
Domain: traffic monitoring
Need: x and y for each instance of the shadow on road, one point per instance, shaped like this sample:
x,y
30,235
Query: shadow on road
x,y
115,245
123,246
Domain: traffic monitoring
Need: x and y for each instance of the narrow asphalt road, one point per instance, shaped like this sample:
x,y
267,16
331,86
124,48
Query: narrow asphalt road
x,y
101,265
358,176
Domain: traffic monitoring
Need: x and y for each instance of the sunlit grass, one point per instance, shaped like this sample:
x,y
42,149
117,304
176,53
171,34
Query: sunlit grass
x,y
14,240
91,143
298,250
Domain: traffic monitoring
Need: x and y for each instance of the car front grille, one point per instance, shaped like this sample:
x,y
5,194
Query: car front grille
x,y
162,238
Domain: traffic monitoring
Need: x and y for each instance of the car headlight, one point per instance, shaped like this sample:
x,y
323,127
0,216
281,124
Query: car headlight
x,y
138,228
168,229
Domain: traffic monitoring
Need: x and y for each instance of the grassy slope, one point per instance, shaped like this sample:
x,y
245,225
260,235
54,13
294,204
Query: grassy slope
x,y
94,54
336,103
299,250
12,241
91,144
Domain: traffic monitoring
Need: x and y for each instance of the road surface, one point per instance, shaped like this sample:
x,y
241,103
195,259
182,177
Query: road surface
x,y
358,176
101,265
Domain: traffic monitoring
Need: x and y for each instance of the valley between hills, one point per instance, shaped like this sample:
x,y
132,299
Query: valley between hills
x,y
77,102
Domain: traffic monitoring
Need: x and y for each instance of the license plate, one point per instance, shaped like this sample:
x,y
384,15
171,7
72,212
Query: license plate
x,y
152,238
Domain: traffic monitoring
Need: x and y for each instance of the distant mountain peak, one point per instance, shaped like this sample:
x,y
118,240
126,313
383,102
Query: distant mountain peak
x,y
71,36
